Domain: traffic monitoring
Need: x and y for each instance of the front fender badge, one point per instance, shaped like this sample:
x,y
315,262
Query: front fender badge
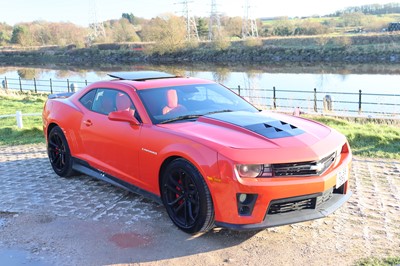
x,y
149,151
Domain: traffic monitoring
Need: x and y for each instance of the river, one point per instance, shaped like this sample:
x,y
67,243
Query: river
x,y
294,84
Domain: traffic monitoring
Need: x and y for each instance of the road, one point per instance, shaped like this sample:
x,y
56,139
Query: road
x,y
48,220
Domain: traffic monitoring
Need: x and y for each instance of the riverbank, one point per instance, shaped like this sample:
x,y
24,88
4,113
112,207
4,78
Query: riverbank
x,y
365,48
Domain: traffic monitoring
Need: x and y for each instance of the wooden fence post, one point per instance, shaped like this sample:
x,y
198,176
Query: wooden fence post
x,y
274,97
51,86
34,83
68,84
20,85
359,102
239,90
315,100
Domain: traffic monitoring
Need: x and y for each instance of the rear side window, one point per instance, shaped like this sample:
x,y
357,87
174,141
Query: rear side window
x,y
87,99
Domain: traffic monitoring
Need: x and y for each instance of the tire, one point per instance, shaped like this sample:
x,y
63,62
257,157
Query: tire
x,y
59,153
186,197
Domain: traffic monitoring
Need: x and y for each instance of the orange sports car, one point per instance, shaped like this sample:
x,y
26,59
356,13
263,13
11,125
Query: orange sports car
x,y
207,154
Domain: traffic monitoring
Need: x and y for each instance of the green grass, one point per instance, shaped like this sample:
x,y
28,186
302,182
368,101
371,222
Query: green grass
x,y
32,132
367,138
376,139
390,261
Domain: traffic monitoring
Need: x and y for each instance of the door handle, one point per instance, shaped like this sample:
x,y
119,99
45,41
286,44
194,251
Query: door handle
x,y
88,122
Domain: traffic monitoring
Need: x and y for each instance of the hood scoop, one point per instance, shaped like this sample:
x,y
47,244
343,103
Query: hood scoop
x,y
261,124
275,129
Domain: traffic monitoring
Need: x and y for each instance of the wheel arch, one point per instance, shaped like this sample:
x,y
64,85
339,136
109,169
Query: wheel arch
x,y
204,164
163,166
50,127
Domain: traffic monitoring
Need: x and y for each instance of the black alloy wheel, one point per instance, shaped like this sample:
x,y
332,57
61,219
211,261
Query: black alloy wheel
x,y
187,197
59,153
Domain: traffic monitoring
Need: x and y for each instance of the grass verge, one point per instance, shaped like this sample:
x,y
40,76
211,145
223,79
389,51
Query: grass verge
x,y
374,139
10,103
392,261
368,138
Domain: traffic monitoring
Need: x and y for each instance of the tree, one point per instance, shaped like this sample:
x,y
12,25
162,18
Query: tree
x,y
5,33
130,17
310,27
232,26
18,35
283,27
202,28
353,19
168,32
124,31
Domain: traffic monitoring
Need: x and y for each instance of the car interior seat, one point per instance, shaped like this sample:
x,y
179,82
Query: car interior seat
x,y
172,101
122,102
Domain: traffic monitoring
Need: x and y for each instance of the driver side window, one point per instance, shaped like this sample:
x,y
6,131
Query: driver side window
x,y
106,101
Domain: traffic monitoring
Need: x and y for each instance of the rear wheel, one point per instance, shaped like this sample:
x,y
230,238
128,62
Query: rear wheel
x,y
186,197
59,153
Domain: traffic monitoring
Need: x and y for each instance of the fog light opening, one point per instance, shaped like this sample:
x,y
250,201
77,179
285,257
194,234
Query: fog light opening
x,y
245,203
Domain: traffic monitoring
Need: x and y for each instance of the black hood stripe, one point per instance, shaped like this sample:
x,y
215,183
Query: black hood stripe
x,y
256,122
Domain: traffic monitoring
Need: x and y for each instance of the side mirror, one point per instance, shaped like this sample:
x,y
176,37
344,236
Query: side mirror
x,y
124,116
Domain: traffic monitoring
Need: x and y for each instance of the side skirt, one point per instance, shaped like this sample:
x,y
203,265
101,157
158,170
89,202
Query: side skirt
x,y
84,168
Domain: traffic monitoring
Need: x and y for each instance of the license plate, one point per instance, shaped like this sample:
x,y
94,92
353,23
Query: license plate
x,y
342,176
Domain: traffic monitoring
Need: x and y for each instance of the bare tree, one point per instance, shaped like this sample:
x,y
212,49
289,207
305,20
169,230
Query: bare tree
x,y
168,33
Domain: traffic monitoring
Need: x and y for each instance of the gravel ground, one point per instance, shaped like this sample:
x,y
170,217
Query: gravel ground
x,y
47,220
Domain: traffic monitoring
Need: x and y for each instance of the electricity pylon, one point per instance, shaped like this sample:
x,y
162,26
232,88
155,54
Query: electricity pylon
x,y
249,24
214,25
191,26
97,28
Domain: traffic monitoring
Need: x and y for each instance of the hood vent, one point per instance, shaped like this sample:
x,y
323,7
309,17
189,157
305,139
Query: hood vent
x,y
275,129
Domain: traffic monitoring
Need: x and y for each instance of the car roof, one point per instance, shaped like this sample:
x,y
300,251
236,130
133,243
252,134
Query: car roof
x,y
154,79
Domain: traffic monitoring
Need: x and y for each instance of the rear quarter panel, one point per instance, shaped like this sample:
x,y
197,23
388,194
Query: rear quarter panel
x,y
65,114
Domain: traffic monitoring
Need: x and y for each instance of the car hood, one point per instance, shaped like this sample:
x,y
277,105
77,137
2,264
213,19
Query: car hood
x,y
254,131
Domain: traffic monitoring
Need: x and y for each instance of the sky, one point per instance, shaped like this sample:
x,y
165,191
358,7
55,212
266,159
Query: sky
x,y
83,12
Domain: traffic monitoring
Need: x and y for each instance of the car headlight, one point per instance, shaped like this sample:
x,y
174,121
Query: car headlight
x,y
254,170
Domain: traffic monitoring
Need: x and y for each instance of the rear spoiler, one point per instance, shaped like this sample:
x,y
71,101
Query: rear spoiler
x,y
60,95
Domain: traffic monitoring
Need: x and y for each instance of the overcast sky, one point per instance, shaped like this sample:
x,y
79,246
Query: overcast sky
x,y
83,12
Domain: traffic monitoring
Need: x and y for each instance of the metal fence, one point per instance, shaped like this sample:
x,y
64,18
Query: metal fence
x,y
312,100
40,85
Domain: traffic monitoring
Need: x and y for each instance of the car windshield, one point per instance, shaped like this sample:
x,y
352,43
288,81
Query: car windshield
x,y
183,103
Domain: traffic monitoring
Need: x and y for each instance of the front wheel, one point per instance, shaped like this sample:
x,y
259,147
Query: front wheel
x,y
59,153
186,197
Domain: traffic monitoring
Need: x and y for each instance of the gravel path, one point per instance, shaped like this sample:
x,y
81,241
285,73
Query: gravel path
x,y
47,220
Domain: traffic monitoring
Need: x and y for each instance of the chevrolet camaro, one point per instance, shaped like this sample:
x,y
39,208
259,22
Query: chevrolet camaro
x,y
208,155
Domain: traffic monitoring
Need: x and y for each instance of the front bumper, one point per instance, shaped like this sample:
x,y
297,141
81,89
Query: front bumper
x,y
295,216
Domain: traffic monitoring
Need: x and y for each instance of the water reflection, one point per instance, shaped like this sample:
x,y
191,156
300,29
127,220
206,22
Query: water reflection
x,y
294,83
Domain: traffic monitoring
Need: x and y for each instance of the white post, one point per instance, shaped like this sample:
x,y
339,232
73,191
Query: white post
x,y
19,119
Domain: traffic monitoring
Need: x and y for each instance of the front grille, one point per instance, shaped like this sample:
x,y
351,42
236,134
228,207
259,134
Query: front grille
x,y
299,203
304,168
296,205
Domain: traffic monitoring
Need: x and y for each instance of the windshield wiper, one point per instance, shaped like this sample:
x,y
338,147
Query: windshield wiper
x,y
179,118
219,111
186,117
